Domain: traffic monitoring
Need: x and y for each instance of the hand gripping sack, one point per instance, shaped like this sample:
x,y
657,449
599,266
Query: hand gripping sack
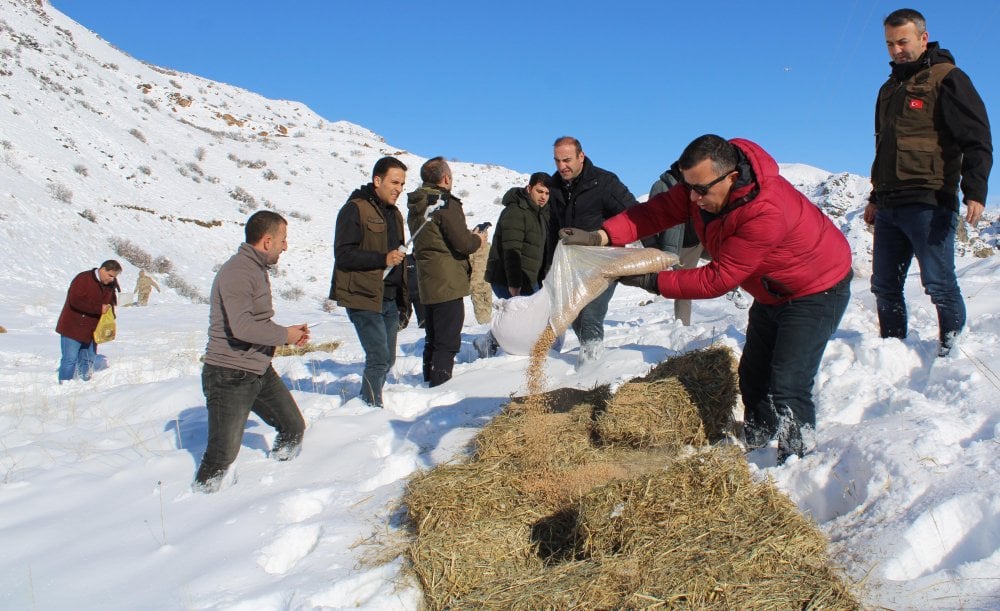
x,y
106,328
579,274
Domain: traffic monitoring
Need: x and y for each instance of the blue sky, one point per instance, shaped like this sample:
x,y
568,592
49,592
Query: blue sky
x,y
498,82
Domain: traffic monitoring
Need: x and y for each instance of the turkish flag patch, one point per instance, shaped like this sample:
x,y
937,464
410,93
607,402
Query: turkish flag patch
x,y
916,104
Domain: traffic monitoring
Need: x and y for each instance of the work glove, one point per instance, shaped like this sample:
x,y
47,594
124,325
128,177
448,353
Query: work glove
x,y
579,237
646,282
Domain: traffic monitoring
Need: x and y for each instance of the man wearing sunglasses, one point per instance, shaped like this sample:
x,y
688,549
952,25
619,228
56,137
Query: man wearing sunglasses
x,y
769,239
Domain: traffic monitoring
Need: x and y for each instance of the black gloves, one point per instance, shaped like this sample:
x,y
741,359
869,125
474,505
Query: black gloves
x,y
579,237
644,281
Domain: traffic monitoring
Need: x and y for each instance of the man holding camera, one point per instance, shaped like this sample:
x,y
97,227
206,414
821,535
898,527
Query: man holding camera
x,y
442,252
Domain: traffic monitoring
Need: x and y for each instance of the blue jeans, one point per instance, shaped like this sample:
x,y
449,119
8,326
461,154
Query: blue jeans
x,y
589,323
927,233
231,394
76,357
377,332
502,291
784,347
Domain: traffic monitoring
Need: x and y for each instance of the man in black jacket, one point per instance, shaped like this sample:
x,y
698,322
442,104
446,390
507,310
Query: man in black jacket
x,y
516,265
931,130
583,196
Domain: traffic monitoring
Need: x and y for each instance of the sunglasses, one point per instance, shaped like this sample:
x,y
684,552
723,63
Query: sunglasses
x,y
703,189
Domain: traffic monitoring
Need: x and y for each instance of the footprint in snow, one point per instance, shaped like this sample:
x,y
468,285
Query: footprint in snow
x,y
304,505
291,545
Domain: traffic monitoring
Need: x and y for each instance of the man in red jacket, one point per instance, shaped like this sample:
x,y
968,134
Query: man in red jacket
x,y
767,238
91,294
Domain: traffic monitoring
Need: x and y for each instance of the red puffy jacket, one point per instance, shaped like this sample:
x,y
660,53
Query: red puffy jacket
x,y
82,309
777,246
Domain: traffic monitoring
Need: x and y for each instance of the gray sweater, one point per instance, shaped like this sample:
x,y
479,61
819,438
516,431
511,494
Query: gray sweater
x,y
241,334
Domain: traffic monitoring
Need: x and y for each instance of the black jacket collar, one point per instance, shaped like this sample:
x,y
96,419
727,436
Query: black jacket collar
x,y
933,55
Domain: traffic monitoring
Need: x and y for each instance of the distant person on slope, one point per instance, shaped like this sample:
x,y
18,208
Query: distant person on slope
x,y
442,250
144,286
238,377
366,245
90,294
768,238
931,131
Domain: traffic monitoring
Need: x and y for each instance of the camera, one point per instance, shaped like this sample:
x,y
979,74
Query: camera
x,y
481,227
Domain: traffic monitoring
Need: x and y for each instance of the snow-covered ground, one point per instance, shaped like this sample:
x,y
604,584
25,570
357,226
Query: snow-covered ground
x,y
96,509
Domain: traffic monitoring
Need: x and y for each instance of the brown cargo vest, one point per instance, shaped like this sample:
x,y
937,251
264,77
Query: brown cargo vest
x,y
363,290
912,148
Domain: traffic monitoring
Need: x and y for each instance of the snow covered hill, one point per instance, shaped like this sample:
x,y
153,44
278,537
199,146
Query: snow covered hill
x,y
100,148
105,156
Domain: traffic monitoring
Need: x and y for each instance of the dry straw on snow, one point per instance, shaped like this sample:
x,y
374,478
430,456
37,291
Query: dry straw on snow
x,y
305,349
593,500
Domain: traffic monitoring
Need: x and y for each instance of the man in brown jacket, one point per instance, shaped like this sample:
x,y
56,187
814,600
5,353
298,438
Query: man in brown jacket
x,y
237,377
369,276
442,250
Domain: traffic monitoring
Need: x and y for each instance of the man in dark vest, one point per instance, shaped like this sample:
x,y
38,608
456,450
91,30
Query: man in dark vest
x,y
931,131
366,243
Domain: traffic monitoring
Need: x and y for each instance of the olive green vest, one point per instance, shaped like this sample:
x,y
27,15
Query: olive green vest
x,y
913,150
363,290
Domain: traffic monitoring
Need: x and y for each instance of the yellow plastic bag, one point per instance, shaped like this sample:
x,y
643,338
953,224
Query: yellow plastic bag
x,y
105,331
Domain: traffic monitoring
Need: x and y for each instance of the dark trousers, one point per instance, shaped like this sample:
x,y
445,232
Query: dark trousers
x,y
377,332
785,343
589,323
927,233
231,395
443,328
502,291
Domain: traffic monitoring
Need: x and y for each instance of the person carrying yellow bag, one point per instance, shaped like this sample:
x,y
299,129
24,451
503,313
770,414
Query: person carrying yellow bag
x,y
106,327
91,294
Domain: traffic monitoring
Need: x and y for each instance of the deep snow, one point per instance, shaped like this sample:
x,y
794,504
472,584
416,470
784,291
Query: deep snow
x,y
96,509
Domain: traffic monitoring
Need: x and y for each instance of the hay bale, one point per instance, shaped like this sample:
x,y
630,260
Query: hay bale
x,y
709,376
561,586
656,414
547,514
451,563
551,456
536,439
455,495
704,533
